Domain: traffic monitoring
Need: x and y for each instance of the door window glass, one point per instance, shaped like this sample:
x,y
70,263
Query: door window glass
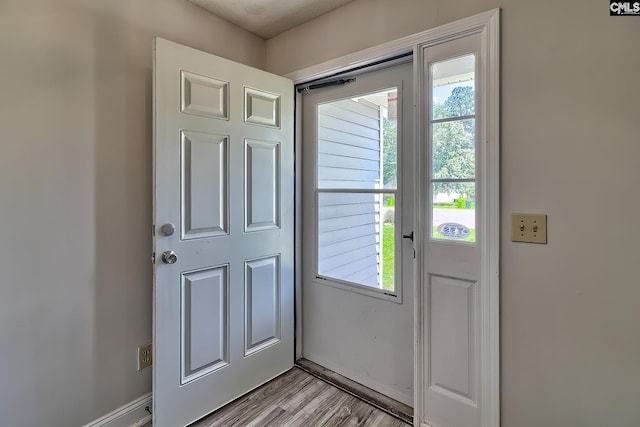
x,y
356,189
453,155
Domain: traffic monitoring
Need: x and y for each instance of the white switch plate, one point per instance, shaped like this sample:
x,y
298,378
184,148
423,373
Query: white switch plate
x,y
530,228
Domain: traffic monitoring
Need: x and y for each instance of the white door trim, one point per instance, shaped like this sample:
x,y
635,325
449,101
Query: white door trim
x,y
487,24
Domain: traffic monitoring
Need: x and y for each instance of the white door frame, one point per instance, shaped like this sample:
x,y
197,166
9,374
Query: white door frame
x,y
487,24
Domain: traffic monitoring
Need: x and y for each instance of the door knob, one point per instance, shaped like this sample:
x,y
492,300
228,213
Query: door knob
x,y
169,257
167,229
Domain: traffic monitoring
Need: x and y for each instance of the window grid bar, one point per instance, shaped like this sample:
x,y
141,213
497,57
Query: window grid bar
x,y
380,291
358,190
453,180
453,119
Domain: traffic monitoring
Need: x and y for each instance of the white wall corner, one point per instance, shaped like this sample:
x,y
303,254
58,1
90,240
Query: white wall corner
x,y
133,414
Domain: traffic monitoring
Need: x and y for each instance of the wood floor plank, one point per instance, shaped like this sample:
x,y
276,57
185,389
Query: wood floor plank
x,y
398,409
243,410
297,399
323,406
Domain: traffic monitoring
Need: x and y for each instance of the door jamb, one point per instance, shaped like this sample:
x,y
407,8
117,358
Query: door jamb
x,y
488,25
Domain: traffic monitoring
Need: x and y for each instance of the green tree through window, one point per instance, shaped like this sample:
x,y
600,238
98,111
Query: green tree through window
x,y
389,153
454,143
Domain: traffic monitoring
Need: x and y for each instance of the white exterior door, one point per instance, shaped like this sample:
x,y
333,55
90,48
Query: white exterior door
x,y
357,297
451,297
223,233
458,233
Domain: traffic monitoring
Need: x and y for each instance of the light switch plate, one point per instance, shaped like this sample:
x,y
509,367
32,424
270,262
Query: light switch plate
x,y
144,356
530,228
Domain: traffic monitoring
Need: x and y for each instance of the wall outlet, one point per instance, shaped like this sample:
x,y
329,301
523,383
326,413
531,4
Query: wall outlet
x,y
145,358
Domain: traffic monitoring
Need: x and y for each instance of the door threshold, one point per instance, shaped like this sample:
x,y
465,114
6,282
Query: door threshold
x,y
390,406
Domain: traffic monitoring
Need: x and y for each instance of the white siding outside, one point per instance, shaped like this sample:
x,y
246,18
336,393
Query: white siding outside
x,y
349,157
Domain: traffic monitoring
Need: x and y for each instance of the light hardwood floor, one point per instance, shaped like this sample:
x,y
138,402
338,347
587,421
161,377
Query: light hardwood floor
x,y
298,399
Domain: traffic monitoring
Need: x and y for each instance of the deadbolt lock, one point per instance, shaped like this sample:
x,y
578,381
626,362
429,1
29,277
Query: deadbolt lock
x,y
167,229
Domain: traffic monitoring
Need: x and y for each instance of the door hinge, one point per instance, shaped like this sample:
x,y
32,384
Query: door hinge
x,y
153,258
153,230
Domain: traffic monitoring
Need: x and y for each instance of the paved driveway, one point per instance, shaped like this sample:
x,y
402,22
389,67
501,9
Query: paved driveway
x,y
465,217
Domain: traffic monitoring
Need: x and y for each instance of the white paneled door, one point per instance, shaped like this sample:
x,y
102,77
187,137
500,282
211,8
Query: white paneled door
x,y
223,231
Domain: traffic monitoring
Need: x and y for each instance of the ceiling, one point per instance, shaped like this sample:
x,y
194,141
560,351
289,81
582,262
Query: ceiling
x,y
268,18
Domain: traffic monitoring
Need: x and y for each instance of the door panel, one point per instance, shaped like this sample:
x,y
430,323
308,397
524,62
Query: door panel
x,y
223,174
205,334
451,287
262,293
451,307
204,185
262,201
261,108
354,321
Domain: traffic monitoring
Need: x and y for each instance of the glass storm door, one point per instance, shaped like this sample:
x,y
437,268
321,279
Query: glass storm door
x,y
357,299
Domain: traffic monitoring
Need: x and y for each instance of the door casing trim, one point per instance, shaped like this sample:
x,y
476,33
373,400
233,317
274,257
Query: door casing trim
x,y
487,24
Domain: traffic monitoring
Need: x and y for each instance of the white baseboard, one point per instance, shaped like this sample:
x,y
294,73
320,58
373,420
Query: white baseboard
x,y
133,414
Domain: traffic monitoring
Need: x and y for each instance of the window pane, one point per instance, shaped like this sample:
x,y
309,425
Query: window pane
x,y
356,236
453,87
357,142
454,211
453,150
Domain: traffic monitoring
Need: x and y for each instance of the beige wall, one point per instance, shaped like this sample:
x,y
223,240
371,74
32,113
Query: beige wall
x,y
75,186
75,197
570,149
